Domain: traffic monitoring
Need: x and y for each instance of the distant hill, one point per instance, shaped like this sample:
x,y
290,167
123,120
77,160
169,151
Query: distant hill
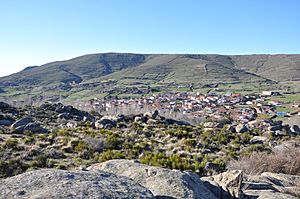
x,y
107,72
73,70
275,67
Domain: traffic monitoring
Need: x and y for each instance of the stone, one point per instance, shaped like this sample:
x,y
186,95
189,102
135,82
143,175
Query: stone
x,y
48,107
67,149
230,182
64,116
88,119
163,183
213,187
170,121
282,179
275,195
148,114
22,122
241,128
56,184
275,128
279,133
155,115
151,115
69,112
4,106
72,124
35,128
6,122
209,125
258,140
151,121
271,185
140,119
231,128
106,122
295,129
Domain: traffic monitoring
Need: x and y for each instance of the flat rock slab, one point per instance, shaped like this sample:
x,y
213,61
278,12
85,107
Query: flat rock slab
x,y
56,184
163,183
276,196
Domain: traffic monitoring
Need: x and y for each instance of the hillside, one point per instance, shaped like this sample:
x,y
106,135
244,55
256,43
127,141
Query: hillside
x,y
186,69
105,74
77,69
275,67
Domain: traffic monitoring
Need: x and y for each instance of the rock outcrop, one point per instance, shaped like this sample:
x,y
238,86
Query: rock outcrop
x,y
130,179
53,183
235,184
22,122
226,185
161,182
106,122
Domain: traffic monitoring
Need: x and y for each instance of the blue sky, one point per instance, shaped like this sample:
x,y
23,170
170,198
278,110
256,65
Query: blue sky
x,y
34,32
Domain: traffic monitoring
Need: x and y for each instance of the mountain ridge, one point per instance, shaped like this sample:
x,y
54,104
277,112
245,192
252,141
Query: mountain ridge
x,y
143,70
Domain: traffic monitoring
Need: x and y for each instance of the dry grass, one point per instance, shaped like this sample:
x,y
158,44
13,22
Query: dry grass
x,y
286,160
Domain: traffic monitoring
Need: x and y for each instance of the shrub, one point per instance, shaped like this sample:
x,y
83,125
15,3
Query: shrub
x,y
171,162
11,143
97,144
110,155
180,132
190,142
29,140
81,145
12,167
64,132
253,148
113,142
39,162
285,161
42,137
244,138
105,132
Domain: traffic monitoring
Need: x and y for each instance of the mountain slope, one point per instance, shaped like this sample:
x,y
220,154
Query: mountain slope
x,y
73,70
275,67
187,69
110,73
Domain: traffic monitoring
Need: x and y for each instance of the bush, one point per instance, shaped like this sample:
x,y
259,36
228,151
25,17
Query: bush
x,y
64,132
285,161
254,148
11,143
171,162
80,146
12,167
95,143
39,162
29,140
113,142
110,155
190,142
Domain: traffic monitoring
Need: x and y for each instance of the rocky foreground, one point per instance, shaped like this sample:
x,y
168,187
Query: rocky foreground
x,y
58,151
130,179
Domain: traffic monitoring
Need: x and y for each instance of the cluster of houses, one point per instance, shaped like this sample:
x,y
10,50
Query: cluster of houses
x,y
241,108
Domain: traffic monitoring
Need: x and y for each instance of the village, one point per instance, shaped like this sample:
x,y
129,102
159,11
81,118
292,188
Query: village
x,y
184,105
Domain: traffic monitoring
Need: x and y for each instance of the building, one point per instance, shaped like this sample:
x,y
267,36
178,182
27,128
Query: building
x,y
270,93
